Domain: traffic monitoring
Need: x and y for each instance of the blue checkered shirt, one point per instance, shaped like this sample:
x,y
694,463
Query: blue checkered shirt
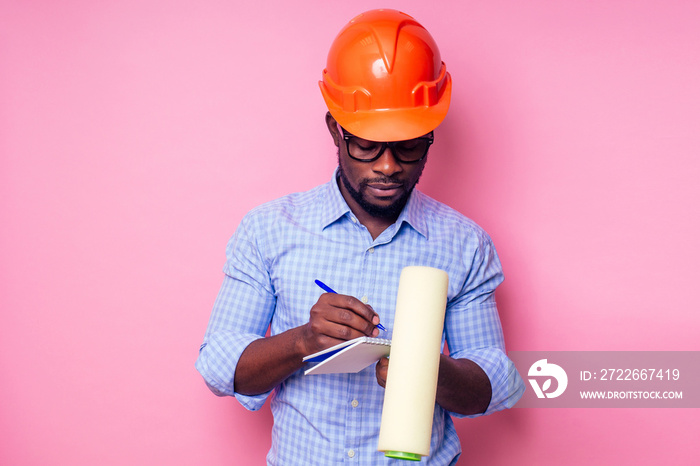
x,y
278,251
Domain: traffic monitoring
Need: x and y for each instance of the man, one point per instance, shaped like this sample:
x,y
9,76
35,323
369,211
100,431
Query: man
x,y
387,90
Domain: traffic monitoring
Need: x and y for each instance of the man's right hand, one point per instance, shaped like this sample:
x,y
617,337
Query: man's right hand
x,y
336,318
266,362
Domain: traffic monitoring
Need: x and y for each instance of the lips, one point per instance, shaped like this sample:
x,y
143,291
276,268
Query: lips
x,y
384,189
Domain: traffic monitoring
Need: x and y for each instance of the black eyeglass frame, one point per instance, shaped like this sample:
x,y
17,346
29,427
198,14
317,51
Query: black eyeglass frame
x,y
428,137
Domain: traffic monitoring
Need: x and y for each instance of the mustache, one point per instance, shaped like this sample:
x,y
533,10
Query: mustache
x,y
381,180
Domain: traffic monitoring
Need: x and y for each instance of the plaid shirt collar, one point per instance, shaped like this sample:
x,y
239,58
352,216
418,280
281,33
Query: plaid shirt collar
x,y
335,208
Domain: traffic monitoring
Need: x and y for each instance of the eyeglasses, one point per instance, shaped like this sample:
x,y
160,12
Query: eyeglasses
x,y
410,151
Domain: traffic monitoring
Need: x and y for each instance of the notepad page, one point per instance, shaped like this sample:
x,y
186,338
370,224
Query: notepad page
x,y
353,358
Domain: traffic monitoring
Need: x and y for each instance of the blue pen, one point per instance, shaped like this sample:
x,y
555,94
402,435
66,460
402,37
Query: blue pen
x,y
328,289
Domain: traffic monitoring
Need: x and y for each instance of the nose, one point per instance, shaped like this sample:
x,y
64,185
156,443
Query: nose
x,y
387,164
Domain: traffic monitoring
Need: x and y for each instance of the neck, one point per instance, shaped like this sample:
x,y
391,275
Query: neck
x,y
374,224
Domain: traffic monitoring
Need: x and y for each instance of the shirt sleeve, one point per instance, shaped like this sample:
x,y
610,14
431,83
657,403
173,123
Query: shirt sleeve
x,y
474,330
241,314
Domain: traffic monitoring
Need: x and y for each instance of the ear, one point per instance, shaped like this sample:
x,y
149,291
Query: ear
x,y
333,128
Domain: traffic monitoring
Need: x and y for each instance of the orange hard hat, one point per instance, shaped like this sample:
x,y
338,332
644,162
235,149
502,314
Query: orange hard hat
x,y
384,79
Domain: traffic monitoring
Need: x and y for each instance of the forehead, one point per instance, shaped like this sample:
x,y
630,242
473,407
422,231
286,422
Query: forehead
x,y
347,134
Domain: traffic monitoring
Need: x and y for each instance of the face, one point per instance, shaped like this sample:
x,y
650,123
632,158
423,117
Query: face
x,y
379,188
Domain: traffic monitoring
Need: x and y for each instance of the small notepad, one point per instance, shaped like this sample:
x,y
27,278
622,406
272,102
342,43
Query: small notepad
x,y
348,356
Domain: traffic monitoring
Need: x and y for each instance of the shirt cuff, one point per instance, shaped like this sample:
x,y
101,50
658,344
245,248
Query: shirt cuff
x,y
506,384
217,361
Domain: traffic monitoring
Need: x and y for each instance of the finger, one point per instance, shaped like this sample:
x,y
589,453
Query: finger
x,y
329,326
318,337
356,307
341,317
343,332
381,371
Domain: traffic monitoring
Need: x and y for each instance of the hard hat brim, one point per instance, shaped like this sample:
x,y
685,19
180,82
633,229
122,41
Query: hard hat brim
x,y
391,124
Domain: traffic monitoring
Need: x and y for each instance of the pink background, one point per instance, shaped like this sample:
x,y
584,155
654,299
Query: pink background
x,y
134,135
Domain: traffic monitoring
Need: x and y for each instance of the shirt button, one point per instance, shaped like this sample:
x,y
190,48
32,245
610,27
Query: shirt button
x,y
355,403
351,453
353,219
371,250
365,299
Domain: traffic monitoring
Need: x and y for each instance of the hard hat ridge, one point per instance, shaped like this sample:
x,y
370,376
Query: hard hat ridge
x,y
387,39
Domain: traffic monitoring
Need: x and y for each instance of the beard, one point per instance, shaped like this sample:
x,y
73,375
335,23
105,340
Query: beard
x,y
391,211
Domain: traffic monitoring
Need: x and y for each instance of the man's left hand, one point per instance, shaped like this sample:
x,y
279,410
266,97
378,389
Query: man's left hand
x,y
381,370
